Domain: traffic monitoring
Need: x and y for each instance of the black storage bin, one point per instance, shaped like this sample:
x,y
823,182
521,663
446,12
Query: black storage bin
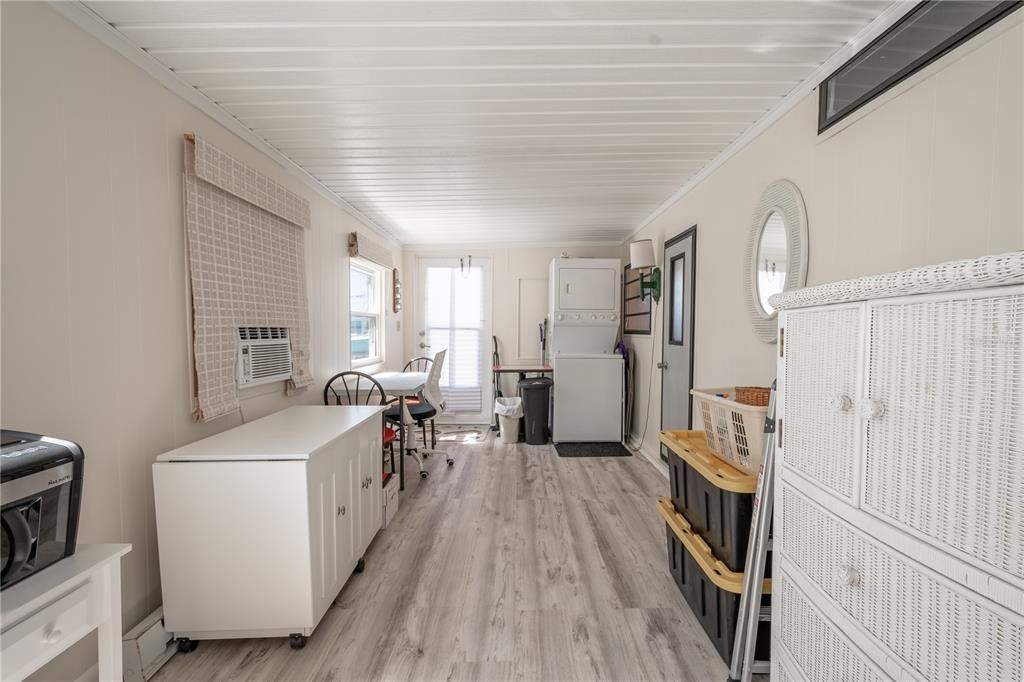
x,y
715,608
721,517
536,395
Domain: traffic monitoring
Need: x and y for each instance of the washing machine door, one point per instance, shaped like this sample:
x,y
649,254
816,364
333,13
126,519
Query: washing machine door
x,y
17,544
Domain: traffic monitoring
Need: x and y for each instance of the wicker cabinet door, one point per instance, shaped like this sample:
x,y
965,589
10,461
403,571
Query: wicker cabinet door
x,y
944,423
822,357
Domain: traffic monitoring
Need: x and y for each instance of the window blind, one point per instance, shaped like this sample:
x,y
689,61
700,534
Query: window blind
x,y
247,268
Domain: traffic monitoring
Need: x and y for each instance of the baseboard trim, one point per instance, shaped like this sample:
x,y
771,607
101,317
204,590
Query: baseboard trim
x,y
654,457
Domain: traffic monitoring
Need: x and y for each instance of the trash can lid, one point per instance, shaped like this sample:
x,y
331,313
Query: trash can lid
x,y
535,382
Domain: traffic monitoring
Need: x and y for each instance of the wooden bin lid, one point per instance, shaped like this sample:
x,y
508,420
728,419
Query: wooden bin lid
x,y
692,448
717,572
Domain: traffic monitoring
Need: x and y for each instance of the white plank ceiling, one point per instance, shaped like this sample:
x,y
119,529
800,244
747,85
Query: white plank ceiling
x,y
496,121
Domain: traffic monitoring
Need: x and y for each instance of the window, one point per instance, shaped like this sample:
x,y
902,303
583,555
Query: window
x,y
366,291
928,31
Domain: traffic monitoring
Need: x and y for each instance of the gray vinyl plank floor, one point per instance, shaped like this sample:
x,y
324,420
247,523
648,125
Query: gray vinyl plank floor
x,y
515,564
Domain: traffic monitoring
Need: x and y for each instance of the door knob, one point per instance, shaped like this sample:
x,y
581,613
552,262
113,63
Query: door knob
x,y
662,365
872,409
840,402
423,345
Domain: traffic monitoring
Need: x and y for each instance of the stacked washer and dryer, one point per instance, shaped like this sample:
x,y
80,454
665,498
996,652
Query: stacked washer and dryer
x,y
584,312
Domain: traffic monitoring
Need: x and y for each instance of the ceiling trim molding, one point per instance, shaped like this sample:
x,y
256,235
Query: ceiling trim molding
x,y
94,25
883,21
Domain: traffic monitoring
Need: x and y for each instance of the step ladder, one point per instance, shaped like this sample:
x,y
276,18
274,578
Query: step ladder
x,y
752,613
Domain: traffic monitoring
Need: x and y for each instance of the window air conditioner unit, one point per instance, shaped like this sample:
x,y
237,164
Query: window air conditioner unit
x,y
264,355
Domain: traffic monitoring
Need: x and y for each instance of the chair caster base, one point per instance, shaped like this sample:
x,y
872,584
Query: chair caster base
x,y
424,474
451,462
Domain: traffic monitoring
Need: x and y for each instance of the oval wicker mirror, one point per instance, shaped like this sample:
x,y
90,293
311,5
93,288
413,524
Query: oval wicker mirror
x,y
776,253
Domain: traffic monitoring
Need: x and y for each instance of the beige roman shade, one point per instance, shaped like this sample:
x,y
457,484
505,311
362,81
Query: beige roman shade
x,y
247,265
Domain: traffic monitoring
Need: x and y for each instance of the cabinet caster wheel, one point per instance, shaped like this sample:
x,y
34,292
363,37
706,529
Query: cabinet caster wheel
x,y
424,473
360,566
186,645
297,641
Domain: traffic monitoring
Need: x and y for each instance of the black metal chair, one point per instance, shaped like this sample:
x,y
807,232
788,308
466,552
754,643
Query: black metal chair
x,y
356,388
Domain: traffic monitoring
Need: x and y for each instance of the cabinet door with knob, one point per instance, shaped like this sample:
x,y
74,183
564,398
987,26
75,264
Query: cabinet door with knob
x,y
368,460
943,413
820,351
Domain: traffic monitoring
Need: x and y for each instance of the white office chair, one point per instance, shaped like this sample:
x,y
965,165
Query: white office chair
x,y
434,404
417,414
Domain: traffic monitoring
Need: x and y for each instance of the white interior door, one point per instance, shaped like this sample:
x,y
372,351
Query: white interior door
x,y
454,311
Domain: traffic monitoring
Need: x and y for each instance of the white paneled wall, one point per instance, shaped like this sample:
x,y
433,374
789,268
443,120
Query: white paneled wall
x,y
930,172
519,299
95,325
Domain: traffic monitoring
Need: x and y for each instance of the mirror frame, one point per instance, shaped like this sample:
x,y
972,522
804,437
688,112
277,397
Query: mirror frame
x,y
783,197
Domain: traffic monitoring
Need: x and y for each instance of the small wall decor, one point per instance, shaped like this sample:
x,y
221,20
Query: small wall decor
x,y
636,312
776,258
396,292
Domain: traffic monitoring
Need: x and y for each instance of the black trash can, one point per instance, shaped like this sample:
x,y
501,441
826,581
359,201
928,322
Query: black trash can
x,y
536,395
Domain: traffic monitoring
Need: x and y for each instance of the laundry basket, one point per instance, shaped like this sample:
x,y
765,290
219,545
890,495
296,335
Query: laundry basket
x,y
734,431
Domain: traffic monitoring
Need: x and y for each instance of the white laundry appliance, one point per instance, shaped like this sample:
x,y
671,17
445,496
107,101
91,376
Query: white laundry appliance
x,y
584,311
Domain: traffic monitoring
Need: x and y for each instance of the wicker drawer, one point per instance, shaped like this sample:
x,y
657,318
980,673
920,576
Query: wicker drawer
x,y
945,388
818,648
821,390
938,628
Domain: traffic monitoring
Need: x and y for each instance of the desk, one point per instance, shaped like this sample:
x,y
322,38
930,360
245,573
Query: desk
x,y
522,371
401,384
46,613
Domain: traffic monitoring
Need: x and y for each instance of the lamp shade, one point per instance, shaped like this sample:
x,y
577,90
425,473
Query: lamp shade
x,y
641,254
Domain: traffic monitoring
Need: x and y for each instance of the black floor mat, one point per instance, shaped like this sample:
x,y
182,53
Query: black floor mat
x,y
592,450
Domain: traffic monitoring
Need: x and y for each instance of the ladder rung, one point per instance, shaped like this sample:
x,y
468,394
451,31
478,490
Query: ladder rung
x,y
761,668
765,616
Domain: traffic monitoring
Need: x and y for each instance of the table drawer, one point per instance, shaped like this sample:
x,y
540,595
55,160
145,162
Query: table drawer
x,y
816,645
48,632
940,629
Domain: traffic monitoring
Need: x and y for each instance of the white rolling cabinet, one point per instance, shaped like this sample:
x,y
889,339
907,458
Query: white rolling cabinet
x,y
899,508
259,527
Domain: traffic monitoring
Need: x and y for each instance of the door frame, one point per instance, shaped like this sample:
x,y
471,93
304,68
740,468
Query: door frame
x,y
688,232
487,296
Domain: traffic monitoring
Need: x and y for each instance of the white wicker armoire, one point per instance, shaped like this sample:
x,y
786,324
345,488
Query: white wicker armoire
x,y
899,498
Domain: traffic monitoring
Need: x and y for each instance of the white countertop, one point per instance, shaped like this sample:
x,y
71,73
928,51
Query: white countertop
x,y
33,592
291,434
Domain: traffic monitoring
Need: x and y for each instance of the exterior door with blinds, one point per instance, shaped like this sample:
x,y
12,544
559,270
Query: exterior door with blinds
x,y
454,314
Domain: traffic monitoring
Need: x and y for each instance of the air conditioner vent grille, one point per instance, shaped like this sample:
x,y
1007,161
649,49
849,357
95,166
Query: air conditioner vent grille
x,y
258,333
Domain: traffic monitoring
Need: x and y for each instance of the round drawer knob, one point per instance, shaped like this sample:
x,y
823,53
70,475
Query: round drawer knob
x,y
840,402
850,576
872,409
52,636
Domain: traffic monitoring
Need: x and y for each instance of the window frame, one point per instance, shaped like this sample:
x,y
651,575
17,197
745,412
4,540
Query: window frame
x,y
956,40
379,284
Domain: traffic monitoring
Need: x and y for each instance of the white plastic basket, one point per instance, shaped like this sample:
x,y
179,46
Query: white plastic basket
x,y
734,431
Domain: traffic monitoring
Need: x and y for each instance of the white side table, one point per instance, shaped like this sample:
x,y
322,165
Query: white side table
x,y
45,614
